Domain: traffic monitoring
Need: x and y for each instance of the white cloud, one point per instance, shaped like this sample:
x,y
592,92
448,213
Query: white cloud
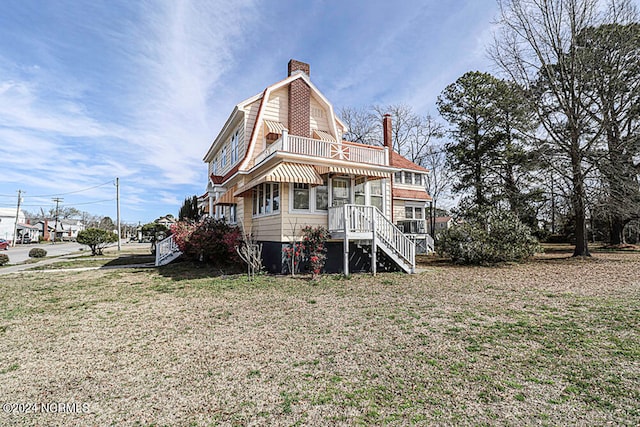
x,y
184,49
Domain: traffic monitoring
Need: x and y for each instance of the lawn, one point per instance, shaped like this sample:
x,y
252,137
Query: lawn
x,y
552,342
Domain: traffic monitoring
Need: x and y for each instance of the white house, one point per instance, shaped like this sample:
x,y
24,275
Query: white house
x,y
8,222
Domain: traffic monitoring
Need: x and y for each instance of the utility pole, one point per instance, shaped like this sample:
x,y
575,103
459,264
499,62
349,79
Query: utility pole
x,y
118,210
55,230
15,225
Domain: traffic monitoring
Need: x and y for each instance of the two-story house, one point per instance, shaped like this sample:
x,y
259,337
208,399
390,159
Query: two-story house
x,y
280,163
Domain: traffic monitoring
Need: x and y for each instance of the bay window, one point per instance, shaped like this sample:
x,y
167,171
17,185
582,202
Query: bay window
x,y
266,199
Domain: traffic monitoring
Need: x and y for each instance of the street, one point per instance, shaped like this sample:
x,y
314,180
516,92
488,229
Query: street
x,y
20,253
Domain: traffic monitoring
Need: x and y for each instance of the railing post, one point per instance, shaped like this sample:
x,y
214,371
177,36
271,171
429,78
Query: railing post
x,y
374,245
346,242
285,140
386,156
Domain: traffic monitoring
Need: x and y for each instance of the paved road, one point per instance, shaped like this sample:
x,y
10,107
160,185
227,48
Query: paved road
x,y
20,253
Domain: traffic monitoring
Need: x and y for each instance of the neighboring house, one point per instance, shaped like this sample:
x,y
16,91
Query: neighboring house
x,y
27,233
71,228
167,221
65,229
280,163
442,223
8,222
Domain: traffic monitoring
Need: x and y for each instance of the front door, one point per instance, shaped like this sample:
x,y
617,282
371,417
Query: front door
x,y
340,191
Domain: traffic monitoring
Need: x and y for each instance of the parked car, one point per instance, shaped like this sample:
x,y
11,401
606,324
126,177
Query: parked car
x,y
4,244
25,239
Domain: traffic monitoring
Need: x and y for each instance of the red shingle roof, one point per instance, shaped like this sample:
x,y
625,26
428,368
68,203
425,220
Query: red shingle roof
x,y
398,161
400,193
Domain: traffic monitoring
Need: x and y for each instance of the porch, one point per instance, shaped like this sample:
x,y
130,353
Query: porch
x,y
367,225
322,148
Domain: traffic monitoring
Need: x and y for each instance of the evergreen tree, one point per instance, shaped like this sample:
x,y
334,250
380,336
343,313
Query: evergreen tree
x,y
189,209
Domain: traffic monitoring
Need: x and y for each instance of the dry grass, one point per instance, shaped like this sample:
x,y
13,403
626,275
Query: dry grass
x,y
553,342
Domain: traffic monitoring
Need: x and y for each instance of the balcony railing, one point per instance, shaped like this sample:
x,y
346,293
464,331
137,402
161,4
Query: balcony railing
x,y
326,149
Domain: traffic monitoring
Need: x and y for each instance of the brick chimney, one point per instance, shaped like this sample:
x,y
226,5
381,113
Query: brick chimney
x,y
299,101
387,131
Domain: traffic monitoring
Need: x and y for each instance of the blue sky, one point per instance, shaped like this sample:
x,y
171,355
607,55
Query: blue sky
x,y
91,91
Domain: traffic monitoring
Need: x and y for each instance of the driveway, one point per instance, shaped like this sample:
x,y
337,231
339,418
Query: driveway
x,y
20,253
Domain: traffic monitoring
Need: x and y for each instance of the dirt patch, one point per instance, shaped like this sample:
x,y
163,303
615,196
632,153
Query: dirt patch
x,y
554,341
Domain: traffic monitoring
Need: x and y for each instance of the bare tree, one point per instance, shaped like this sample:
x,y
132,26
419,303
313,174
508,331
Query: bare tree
x,y
362,126
439,179
537,48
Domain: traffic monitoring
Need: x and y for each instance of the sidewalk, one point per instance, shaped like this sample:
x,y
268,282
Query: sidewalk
x,y
12,269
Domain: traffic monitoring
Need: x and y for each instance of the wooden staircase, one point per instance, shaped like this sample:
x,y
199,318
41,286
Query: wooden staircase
x,y
368,224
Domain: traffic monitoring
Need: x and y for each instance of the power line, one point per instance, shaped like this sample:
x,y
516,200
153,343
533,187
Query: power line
x,y
73,192
66,205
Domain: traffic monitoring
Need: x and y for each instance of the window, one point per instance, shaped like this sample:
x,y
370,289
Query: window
x,y
223,157
398,177
408,212
266,199
360,191
234,147
261,199
407,177
377,199
322,197
414,212
214,166
233,217
301,196
308,198
275,188
269,199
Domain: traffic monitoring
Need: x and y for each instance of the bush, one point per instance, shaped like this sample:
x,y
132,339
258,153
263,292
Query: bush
x,y
315,243
210,240
97,239
37,253
497,236
4,259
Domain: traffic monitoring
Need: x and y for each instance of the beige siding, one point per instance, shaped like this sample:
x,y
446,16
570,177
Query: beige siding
x,y
398,211
251,112
319,116
292,223
277,107
387,198
268,228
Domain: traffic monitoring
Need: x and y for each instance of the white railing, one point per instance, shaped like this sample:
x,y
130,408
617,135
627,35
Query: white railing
x,y
424,243
166,251
361,219
325,149
393,237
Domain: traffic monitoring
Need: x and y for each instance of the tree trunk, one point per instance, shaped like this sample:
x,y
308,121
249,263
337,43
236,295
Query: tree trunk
x,y
616,232
579,205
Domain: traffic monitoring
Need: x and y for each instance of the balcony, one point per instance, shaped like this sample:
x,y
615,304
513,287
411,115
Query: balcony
x,y
349,152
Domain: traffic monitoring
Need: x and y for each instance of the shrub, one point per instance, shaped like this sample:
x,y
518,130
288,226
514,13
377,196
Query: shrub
x,y
209,240
315,243
497,236
3,259
97,239
37,253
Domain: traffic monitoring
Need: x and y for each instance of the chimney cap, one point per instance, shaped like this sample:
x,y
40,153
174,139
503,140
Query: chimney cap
x,y
295,65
